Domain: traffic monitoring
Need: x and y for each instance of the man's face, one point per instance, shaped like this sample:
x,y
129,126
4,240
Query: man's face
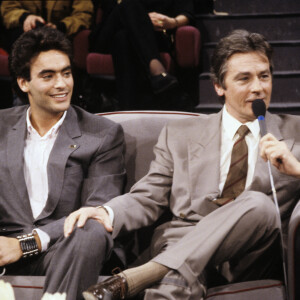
x,y
248,77
51,84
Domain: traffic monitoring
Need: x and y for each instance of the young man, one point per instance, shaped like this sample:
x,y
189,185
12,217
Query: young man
x,y
55,158
208,173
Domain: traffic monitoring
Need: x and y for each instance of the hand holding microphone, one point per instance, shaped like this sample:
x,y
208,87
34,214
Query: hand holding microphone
x,y
268,143
279,155
271,149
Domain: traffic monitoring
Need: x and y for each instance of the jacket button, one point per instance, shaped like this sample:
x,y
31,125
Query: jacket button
x,y
182,215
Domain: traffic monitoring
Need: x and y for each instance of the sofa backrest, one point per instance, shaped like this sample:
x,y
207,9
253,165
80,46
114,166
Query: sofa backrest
x,y
141,130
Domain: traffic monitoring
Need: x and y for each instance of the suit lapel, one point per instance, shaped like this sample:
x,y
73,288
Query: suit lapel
x,y
15,161
204,164
64,145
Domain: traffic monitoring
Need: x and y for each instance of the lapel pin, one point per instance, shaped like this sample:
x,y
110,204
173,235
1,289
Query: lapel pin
x,y
72,146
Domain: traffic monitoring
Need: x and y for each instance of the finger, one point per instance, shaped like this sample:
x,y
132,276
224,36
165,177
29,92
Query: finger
x,y
276,157
40,19
268,137
70,223
262,152
107,226
105,221
82,220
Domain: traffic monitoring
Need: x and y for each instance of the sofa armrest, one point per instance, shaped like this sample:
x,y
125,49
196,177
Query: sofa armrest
x,y
293,254
81,48
187,46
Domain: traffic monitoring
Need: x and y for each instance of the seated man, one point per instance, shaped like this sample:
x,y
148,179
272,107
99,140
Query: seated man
x,y
55,158
208,173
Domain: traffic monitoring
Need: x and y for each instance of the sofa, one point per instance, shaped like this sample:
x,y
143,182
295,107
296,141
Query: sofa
x,y
141,132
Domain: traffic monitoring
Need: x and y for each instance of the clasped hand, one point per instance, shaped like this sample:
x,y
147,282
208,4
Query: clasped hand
x,y
161,22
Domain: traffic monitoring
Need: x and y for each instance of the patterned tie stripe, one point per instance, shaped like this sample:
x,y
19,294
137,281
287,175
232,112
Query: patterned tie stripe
x,y
237,174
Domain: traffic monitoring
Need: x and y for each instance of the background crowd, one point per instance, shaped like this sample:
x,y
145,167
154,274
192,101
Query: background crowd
x,y
134,32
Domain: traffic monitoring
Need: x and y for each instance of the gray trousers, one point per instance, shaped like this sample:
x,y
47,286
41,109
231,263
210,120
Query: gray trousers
x,y
237,236
72,264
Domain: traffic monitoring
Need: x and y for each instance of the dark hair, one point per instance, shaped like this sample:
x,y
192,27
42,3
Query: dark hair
x,y
238,41
28,46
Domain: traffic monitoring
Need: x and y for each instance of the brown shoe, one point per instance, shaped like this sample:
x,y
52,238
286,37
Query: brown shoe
x,y
113,288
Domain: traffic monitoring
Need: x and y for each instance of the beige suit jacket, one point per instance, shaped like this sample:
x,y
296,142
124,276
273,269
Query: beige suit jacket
x,y
184,176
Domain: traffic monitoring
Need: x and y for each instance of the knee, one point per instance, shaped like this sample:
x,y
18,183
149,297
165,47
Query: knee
x,y
261,209
93,237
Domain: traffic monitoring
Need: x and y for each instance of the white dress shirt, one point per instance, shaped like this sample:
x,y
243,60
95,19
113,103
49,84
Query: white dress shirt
x,y
229,127
36,155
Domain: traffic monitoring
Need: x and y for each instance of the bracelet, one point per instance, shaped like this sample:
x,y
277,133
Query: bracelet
x,y
28,245
100,206
176,21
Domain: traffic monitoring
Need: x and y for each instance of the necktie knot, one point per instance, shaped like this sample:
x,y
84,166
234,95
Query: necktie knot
x,y
243,131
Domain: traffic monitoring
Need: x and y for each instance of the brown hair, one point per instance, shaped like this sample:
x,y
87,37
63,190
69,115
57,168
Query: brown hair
x,y
238,41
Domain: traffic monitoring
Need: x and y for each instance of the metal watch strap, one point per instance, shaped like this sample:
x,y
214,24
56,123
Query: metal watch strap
x,y
28,244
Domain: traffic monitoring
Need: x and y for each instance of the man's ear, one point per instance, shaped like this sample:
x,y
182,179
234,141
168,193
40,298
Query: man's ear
x,y
23,84
219,90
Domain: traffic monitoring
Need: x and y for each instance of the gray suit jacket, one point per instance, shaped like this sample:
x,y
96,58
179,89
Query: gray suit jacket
x,y
85,168
184,176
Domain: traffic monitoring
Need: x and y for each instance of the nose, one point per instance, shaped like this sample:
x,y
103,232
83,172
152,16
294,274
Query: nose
x,y
60,82
256,86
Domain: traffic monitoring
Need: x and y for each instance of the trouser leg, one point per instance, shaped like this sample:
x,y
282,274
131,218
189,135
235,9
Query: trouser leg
x,y
77,260
248,225
173,287
135,20
132,84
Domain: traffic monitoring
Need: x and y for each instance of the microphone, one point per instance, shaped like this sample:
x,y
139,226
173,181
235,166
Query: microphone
x,y
259,110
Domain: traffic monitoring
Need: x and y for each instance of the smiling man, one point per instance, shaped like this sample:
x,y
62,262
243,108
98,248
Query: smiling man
x,y
207,172
55,158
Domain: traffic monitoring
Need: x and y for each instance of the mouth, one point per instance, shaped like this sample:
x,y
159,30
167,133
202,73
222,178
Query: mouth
x,y
251,100
60,97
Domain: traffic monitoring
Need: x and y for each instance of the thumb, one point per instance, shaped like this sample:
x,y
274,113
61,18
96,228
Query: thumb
x,y
106,223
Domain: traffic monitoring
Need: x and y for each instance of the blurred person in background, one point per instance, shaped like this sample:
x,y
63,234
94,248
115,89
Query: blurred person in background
x,y
68,16
135,32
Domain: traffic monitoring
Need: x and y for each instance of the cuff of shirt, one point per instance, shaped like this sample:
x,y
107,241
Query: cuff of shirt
x,y
110,213
44,238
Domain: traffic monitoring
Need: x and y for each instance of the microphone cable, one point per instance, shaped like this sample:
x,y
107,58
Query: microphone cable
x,y
259,110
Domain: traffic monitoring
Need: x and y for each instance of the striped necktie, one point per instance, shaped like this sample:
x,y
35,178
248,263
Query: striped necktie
x,y
237,174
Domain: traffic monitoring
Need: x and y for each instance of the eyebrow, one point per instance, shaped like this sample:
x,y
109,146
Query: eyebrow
x,y
46,71
248,73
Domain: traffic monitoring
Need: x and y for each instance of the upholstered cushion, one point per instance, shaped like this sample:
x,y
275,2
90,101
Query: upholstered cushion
x,y
258,290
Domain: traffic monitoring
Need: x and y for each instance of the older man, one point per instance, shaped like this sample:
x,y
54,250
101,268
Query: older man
x,y
208,173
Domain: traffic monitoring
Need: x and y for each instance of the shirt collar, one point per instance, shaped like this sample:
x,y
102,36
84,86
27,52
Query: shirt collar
x,y
231,125
52,131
